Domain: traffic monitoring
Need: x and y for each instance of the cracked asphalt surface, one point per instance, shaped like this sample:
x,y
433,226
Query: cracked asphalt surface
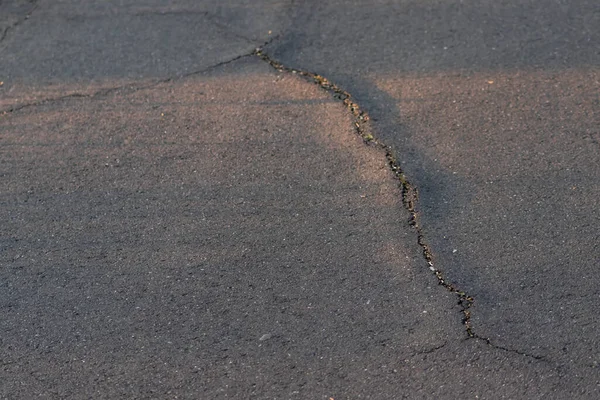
x,y
182,219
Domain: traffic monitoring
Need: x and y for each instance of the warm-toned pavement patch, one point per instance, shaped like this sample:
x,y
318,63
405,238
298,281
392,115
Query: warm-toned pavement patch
x,y
190,223
493,112
224,235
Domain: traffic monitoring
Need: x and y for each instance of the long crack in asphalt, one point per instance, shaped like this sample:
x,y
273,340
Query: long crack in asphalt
x,y
409,192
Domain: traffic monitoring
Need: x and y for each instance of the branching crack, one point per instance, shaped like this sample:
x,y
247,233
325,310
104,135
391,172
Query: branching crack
x,y
409,192
135,86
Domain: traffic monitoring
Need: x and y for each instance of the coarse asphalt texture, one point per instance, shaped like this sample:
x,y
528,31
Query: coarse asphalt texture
x,y
185,216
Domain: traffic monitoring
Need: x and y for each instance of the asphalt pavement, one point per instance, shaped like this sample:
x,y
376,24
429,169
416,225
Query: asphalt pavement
x,y
186,217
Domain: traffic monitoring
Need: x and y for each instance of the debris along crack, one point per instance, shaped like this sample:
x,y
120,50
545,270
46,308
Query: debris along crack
x,y
409,192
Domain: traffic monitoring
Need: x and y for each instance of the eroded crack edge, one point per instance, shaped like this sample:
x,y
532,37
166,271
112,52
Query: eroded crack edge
x,y
409,192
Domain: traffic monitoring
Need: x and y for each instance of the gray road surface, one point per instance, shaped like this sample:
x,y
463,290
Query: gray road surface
x,y
182,220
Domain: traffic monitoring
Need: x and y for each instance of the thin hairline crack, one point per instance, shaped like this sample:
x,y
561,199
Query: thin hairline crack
x,y
34,6
133,86
409,192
